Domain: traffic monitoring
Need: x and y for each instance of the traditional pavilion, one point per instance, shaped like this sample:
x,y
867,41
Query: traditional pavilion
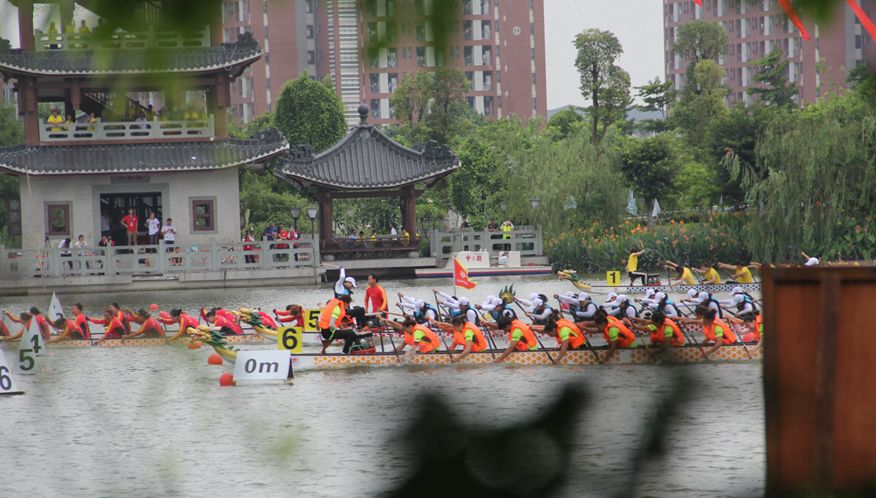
x,y
367,164
143,125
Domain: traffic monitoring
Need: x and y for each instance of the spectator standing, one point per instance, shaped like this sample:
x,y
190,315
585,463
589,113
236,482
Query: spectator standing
x,y
64,246
130,222
56,120
270,232
249,258
168,233
393,229
154,227
493,225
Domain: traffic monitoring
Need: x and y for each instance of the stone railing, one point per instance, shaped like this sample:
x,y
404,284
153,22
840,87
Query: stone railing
x,y
525,239
127,130
157,259
122,39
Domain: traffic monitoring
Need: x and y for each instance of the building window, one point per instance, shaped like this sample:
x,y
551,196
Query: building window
x,y
375,108
203,215
391,57
467,30
468,55
488,56
311,57
421,56
375,82
469,77
488,80
372,32
309,31
58,219
488,106
393,82
466,7
421,31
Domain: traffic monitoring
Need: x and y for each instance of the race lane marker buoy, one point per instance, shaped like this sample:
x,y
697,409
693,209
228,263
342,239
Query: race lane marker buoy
x,y
214,359
226,379
195,344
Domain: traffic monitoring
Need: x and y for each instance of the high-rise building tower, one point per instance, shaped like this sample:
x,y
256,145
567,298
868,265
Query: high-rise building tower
x,y
755,28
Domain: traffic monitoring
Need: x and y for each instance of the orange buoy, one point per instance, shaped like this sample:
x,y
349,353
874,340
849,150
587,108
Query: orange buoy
x,y
195,344
153,307
214,359
226,379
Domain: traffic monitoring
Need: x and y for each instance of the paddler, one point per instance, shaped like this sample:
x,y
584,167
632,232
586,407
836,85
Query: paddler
x,y
662,303
70,330
333,324
149,327
581,305
422,311
112,325
222,323
662,330
458,307
568,335
707,300
536,308
43,324
810,260
633,265
497,308
184,320
293,315
415,335
710,275
24,319
715,330
616,334
623,308
375,294
520,336
754,323
741,273
685,275
465,334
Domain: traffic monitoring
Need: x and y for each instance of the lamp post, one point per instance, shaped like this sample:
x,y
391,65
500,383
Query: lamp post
x,y
296,213
503,206
311,213
534,202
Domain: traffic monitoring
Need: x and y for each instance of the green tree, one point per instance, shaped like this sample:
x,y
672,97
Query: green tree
x,y
656,96
701,40
431,105
598,51
731,141
310,112
772,75
616,99
649,166
565,122
702,101
476,189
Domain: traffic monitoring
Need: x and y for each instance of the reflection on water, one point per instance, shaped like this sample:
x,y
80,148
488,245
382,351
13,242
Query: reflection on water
x,y
153,421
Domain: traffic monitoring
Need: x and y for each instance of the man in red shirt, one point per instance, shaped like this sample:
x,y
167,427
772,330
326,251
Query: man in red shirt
x,y
130,223
376,296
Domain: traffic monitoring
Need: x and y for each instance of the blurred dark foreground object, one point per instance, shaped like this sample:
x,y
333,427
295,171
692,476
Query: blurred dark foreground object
x,y
819,372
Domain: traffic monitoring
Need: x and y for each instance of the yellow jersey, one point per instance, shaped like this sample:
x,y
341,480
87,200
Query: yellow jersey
x,y
633,263
712,276
743,276
688,277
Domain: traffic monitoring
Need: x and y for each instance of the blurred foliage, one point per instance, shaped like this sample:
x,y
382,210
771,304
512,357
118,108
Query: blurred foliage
x,y
310,112
11,133
431,105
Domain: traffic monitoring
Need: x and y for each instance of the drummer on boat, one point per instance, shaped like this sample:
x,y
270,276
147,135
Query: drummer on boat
x,y
344,287
334,324
633,265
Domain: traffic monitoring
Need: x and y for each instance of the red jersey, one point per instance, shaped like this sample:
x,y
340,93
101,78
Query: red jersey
x,y
223,322
377,297
75,329
187,321
130,222
267,321
151,328
82,323
113,328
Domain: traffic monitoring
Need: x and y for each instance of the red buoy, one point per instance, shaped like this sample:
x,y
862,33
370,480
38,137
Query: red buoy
x,y
214,359
195,344
226,379
153,307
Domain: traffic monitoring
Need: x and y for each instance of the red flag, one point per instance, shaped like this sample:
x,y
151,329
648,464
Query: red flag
x,y
789,9
699,2
460,276
863,17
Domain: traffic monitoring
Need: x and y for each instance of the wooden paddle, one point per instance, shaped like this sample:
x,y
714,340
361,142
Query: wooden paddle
x,y
689,338
553,362
487,335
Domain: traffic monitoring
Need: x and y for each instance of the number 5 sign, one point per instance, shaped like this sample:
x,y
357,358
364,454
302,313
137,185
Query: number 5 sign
x,y
290,339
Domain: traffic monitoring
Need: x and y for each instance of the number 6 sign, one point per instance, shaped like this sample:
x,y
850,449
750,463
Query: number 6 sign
x,y
290,339
7,383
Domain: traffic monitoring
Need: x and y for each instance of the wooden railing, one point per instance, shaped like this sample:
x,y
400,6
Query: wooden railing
x,y
127,130
384,246
122,39
157,259
526,239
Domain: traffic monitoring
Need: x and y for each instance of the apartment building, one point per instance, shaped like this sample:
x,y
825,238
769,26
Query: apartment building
x,y
755,28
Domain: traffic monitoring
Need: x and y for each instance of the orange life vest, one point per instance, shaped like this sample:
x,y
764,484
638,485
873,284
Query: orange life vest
x,y
709,332
625,337
428,343
526,342
758,326
659,334
325,316
576,339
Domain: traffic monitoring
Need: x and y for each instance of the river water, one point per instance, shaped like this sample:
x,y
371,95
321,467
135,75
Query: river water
x,y
154,422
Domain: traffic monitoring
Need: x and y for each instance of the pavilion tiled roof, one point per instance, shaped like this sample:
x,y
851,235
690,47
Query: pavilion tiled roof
x,y
367,159
232,56
141,158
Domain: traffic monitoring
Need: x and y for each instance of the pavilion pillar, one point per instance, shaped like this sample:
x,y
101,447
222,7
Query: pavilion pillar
x,y
326,231
27,107
409,210
216,24
25,24
220,99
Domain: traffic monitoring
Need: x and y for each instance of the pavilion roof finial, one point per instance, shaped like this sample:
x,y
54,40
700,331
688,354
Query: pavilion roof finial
x,y
363,115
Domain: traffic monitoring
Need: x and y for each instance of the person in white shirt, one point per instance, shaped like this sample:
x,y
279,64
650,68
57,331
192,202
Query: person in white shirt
x,y
810,260
168,232
154,227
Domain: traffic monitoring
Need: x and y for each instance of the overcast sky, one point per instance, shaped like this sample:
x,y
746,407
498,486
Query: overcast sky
x,y
637,23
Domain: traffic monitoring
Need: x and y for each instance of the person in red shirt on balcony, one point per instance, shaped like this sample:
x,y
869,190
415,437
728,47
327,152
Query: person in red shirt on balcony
x,y
130,222
376,295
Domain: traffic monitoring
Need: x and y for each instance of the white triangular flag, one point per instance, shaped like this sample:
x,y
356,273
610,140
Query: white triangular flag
x,y
31,345
55,309
656,211
631,204
7,383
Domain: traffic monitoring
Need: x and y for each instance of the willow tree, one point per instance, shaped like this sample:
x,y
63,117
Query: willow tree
x,y
820,194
